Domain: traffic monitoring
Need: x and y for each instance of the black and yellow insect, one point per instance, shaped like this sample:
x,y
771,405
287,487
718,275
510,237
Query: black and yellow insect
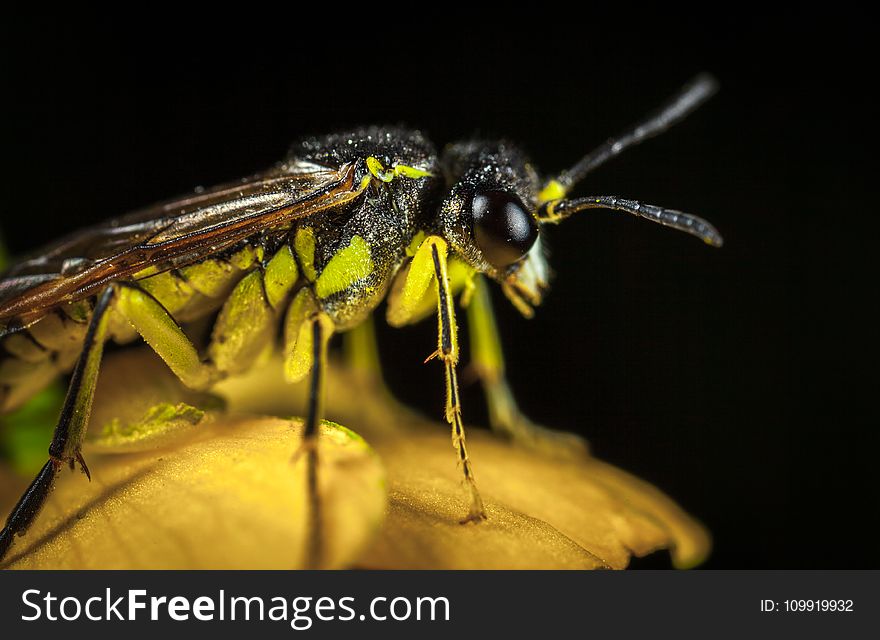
x,y
311,246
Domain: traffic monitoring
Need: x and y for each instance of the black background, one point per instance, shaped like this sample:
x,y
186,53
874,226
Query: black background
x,y
737,380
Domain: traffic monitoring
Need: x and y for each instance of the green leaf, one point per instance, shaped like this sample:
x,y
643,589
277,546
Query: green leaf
x,y
25,433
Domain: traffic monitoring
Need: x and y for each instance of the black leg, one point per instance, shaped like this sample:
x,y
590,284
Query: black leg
x,y
314,416
29,505
71,427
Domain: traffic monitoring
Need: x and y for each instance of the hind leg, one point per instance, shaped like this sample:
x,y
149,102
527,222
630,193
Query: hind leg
x,y
307,333
70,430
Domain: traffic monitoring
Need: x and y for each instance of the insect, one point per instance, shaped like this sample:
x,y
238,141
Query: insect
x,y
302,251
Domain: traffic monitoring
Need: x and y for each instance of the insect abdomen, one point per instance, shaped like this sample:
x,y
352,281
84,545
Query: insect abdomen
x,y
33,357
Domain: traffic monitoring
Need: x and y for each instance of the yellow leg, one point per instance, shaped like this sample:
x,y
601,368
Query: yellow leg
x,y
362,352
244,329
505,415
159,330
429,263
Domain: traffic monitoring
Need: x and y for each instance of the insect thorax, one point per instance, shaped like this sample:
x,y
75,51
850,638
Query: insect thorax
x,y
346,255
354,252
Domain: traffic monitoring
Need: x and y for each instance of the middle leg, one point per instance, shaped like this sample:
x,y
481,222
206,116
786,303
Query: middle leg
x,y
307,333
505,416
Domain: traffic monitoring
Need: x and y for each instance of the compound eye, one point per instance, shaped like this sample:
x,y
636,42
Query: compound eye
x,y
503,229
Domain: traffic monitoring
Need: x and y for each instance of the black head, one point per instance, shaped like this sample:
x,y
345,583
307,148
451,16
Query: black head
x,y
489,213
489,216
495,207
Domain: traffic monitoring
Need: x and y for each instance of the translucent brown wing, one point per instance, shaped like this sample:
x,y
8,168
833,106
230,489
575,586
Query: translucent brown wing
x,y
165,236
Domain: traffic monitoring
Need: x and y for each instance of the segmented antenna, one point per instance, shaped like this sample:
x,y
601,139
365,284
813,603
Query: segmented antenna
x,y
557,210
691,96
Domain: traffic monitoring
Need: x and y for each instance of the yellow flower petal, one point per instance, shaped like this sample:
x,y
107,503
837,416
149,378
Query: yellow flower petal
x,y
224,494
543,512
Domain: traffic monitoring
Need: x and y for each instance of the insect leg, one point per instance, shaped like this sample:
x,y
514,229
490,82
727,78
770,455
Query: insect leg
x,y
310,438
307,332
505,415
71,427
361,350
430,260
361,357
159,330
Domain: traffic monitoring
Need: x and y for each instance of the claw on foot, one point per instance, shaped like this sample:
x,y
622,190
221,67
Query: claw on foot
x,y
477,512
72,462
82,465
474,516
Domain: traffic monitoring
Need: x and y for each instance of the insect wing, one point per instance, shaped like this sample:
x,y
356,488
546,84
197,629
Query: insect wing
x,y
166,236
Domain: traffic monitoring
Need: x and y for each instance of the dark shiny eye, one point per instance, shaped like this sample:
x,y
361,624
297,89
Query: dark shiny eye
x,y
503,229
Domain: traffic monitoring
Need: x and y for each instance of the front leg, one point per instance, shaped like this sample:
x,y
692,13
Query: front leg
x,y
505,415
430,263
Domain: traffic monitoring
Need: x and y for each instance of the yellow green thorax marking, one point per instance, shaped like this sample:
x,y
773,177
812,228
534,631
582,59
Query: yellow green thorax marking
x,y
375,167
281,274
553,190
346,267
304,245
